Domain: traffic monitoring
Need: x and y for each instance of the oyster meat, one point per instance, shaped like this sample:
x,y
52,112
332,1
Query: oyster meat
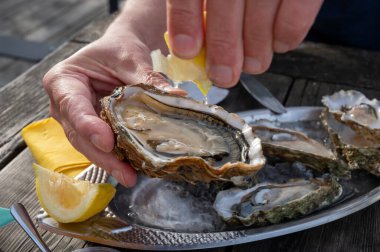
x,y
273,203
166,135
290,145
355,110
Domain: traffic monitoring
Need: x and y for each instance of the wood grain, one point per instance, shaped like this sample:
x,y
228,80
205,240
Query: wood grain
x,y
23,101
332,64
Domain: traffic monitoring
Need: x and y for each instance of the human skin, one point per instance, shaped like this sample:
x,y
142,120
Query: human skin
x,y
240,35
120,57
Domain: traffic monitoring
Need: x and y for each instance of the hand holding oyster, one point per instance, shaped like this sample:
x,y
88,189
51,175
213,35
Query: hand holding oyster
x,y
169,136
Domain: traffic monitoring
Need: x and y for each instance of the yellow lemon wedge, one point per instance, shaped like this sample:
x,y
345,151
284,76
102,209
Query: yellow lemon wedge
x,y
68,200
179,70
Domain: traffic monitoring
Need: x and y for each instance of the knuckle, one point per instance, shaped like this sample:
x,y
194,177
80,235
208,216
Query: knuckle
x,y
64,103
72,137
222,46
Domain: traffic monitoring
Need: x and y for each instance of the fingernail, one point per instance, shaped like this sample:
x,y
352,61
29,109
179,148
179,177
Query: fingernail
x,y
184,45
252,64
221,74
117,174
97,141
280,47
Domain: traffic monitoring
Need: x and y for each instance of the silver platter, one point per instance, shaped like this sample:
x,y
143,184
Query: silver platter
x,y
111,228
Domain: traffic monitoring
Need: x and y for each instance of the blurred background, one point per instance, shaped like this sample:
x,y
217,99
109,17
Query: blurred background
x,y
29,29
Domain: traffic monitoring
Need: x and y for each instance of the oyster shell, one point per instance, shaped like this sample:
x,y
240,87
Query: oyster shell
x,y
356,150
357,111
291,146
165,135
272,203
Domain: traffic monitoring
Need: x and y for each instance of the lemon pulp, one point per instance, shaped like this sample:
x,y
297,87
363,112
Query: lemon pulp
x,y
68,200
180,70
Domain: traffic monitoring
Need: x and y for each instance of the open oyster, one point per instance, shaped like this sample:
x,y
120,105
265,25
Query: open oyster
x,y
293,146
165,135
357,111
351,146
272,203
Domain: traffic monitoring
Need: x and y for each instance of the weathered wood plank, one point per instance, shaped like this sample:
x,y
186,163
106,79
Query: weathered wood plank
x,y
42,14
11,68
328,63
296,91
310,93
94,30
21,104
76,17
53,21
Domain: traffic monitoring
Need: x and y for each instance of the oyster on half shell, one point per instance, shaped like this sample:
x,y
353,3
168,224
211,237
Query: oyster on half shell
x,y
351,146
353,122
290,145
273,203
355,110
166,135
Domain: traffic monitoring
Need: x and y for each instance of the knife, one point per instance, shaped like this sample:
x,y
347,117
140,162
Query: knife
x,y
261,93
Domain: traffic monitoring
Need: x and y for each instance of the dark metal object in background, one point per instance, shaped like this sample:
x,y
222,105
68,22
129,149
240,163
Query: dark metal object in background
x,y
24,49
113,6
261,93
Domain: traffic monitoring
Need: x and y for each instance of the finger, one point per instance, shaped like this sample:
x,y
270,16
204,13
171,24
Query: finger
x,y
120,170
293,21
185,27
258,29
73,102
224,41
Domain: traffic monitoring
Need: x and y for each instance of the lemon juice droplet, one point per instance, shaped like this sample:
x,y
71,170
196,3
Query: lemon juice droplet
x,y
205,99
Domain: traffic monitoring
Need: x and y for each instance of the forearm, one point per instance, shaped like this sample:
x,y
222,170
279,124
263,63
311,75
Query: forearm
x,y
145,19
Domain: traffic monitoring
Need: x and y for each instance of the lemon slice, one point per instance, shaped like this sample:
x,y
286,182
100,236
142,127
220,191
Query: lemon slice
x,y
180,70
68,200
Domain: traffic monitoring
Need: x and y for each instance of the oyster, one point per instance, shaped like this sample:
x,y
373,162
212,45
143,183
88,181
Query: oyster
x,y
357,111
165,135
273,203
352,147
291,146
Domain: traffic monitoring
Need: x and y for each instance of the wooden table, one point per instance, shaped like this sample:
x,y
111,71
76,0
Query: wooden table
x,y
298,78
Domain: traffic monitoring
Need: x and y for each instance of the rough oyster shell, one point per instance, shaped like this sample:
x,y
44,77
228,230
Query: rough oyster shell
x,y
272,203
357,111
352,147
291,146
165,135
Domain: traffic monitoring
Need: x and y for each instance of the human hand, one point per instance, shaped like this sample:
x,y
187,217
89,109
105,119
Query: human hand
x,y
240,35
76,84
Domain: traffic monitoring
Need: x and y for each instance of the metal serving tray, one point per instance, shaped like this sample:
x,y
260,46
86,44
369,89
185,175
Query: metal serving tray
x,y
111,228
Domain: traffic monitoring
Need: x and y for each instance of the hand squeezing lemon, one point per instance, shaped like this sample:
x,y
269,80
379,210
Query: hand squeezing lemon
x,y
68,200
180,70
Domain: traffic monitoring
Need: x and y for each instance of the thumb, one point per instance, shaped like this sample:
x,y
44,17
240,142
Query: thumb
x,y
137,68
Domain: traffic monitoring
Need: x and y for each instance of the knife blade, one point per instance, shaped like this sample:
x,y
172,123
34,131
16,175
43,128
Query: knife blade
x,y
261,93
